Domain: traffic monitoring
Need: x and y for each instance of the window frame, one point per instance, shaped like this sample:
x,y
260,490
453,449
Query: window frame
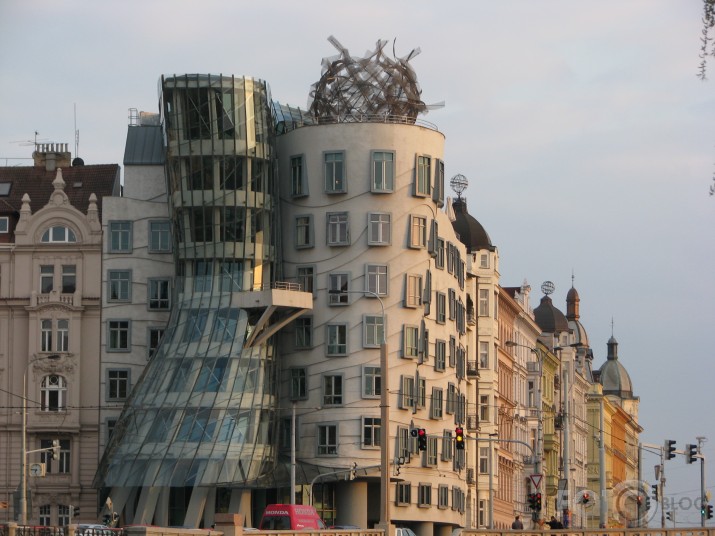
x,y
119,330
68,278
334,173
114,384
4,224
298,383
341,348
371,428
418,231
424,494
121,281
53,398
386,184
151,282
47,274
371,381
379,228
413,290
304,236
440,355
437,405
299,186
150,333
339,281
306,273
117,236
373,330
157,237
337,232
377,279
304,325
327,446
410,341
333,390
422,186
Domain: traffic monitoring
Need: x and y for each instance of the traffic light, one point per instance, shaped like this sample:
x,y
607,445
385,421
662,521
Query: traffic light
x,y
422,439
55,449
537,502
75,511
647,503
709,511
655,492
459,438
531,500
691,452
669,449
586,498
667,516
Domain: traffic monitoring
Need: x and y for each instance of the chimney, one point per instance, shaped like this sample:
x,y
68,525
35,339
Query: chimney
x,y
51,156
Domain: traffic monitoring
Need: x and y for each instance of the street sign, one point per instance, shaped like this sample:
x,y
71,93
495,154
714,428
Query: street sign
x,y
536,480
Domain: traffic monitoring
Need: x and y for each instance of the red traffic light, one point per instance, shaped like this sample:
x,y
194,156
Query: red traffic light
x,y
421,432
459,438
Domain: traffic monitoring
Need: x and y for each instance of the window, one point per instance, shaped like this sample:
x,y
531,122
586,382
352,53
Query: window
x,y
61,465
437,401
63,335
155,335
201,221
418,232
117,384
211,375
69,278
431,459
45,511
58,233
443,496
452,304
298,384
334,173
440,355
452,351
332,390
159,236
5,188
338,287
197,425
119,285
337,335
438,190
424,492
304,332
423,175
403,494
531,393
203,272
371,381
484,460
403,442
195,324
451,398
306,278
298,182
439,257
118,336
160,426
327,439
233,224
47,277
483,302
379,229
413,290
231,172
441,308
370,432
383,171
421,392
410,341
407,392
447,445
338,229
120,236
483,408
376,279
46,335
54,393
225,324
374,327
304,231
483,355
159,294
231,274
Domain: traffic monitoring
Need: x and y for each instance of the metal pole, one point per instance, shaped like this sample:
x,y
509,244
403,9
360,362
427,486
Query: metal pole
x,y
491,487
23,454
385,435
661,491
292,456
703,498
603,503
566,446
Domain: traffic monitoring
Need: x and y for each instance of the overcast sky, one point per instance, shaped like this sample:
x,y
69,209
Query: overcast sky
x,y
586,137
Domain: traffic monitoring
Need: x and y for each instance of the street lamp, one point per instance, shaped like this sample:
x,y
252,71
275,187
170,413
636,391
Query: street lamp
x,y
23,456
384,414
540,413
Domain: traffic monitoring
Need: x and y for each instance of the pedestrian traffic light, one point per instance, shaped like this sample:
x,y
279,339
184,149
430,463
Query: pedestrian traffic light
x,y
709,511
55,449
655,492
691,452
459,438
422,439
537,502
585,498
669,449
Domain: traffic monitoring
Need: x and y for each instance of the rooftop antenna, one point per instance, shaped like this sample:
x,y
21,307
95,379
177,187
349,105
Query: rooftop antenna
x,y
76,133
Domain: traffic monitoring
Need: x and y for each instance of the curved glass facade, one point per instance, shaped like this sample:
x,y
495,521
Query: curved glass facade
x,y
204,411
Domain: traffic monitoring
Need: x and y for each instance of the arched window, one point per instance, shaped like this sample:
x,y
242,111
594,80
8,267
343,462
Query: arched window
x,y
54,393
59,233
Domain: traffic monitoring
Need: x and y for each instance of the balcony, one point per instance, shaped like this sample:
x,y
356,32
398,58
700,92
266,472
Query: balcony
x,y
472,369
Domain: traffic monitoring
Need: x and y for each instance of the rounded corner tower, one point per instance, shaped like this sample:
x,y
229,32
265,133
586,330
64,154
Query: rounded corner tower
x,y
203,416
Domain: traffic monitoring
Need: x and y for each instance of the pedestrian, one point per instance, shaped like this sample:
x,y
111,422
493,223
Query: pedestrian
x,y
555,523
517,524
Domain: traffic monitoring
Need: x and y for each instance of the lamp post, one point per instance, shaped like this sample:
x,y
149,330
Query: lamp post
x,y
23,454
540,415
384,415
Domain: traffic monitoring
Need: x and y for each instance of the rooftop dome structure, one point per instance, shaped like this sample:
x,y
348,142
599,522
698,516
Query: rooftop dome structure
x,y
471,233
613,376
549,318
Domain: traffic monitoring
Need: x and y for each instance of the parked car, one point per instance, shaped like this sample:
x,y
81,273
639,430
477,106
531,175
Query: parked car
x,y
93,530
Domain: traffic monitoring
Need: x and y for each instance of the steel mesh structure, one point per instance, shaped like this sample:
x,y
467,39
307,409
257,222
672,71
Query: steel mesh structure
x,y
376,85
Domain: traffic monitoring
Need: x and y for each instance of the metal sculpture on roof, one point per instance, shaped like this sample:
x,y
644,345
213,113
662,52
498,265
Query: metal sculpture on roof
x,y
377,85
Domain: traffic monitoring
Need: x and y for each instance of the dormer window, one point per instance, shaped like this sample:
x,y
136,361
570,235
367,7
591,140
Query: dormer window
x,y
58,233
